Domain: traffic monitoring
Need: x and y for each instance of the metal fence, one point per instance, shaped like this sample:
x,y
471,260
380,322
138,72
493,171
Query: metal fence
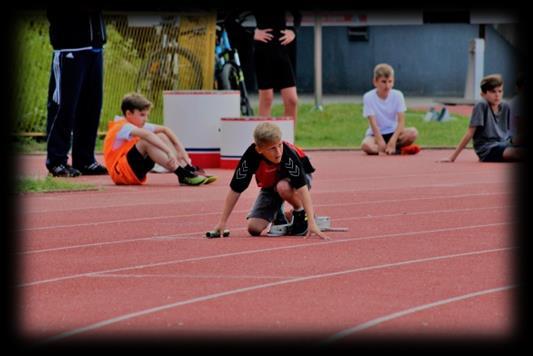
x,y
143,53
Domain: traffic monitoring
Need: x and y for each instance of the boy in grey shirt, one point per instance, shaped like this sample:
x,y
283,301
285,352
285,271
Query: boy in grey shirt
x,y
489,125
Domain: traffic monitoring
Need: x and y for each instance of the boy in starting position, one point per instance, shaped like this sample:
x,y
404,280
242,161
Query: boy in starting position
x,y
284,174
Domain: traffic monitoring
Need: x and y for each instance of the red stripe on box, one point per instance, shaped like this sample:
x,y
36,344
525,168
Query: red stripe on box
x,y
229,163
205,160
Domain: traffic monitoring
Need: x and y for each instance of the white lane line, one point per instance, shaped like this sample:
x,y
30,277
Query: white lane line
x,y
193,276
204,298
402,313
316,191
196,234
217,212
240,253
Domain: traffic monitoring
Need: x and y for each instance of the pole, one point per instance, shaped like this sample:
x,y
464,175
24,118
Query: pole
x,y
318,62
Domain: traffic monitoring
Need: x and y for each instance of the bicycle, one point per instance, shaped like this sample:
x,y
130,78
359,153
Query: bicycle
x,y
163,68
228,72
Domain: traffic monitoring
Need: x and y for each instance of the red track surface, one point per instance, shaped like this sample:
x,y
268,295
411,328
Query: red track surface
x,y
429,252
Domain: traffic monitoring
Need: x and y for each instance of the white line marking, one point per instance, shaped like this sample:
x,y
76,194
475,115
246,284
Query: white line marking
x,y
217,212
240,253
383,319
256,287
194,235
193,276
165,200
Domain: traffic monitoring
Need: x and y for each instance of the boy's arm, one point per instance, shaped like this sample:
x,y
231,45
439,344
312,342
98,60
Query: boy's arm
x,y
308,207
156,141
152,138
462,144
229,204
182,153
391,145
377,133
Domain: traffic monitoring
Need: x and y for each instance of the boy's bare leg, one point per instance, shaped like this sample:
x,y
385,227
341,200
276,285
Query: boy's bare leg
x,y
369,145
183,157
289,194
266,98
408,136
256,226
290,102
157,155
513,154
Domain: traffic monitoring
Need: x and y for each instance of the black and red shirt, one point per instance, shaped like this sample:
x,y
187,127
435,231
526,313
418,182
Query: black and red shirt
x,y
294,165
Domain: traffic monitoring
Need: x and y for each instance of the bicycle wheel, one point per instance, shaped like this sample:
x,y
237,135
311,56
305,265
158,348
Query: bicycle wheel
x,y
169,69
231,79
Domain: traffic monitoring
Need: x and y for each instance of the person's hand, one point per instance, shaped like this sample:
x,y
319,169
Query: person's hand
x,y
220,228
172,160
314,229
445,160
182,159
391,147
382,146
263,35
288,37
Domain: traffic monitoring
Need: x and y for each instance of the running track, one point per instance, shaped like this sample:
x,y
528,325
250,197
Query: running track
x,y
429,252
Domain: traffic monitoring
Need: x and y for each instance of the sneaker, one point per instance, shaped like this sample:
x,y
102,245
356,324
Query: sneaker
x,y
192,180
299,223
63,170
411,149
197,169
95,169
280,218
210,179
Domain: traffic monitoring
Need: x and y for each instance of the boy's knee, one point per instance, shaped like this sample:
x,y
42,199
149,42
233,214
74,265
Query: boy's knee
x,y
367,148
291,101
283,188
254,231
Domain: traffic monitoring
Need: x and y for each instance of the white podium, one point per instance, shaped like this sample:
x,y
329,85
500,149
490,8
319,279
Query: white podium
x,y
194,116
237,135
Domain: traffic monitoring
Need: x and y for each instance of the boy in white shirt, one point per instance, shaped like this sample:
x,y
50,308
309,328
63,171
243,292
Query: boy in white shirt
x,y
384,107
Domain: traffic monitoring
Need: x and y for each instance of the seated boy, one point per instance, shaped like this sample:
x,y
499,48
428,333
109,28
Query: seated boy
x,y
384,107
489,125
132,147
284,173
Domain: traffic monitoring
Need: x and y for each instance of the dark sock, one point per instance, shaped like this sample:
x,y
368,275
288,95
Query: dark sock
x,y
183,172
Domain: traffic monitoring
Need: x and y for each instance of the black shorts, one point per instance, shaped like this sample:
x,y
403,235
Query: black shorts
x,y
139,164
268,202
495,153
273,66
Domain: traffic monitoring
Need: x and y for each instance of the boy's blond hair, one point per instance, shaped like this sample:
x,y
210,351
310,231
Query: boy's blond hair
x,y
135,101
490,82
383,70
266,133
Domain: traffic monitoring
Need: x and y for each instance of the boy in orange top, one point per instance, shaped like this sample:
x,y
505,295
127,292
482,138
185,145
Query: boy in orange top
x,y
132,147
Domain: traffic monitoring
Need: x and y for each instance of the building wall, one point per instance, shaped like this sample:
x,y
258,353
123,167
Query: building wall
x,y
429,60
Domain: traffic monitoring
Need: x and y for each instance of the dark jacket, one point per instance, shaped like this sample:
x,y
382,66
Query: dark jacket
x,y
76,27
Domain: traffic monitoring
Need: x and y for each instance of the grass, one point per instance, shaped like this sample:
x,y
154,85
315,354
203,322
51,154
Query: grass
x,y
50,184
339,125
342,125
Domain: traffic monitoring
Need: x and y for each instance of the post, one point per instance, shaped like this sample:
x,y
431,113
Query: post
x,y
476,59
318,62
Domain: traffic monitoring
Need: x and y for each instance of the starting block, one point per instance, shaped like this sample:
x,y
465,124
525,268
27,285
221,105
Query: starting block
x,y
216,234
323,222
